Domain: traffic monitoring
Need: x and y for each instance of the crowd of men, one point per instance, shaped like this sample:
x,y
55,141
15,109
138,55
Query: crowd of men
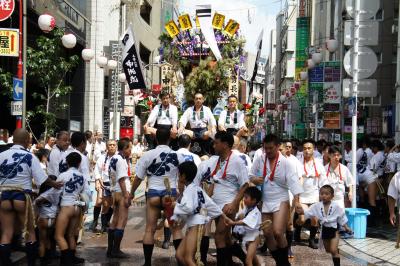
x,y
201,176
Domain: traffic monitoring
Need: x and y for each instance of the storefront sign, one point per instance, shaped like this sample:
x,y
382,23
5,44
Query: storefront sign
x,y
9,44
332,92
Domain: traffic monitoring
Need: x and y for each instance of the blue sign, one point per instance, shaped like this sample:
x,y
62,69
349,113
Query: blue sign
x,y
17,89
316,74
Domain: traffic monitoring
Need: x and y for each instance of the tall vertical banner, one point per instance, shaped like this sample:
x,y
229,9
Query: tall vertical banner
x,y
131,62
203,13
302,43
255,67
259,47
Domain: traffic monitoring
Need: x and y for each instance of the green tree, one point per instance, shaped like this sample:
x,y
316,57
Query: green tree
x,y
48,65
6,84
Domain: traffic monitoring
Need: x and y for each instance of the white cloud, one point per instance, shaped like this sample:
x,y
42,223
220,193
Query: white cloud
x,y
253,16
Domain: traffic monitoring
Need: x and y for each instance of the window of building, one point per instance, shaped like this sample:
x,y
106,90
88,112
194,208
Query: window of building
x,y
144,54
145,12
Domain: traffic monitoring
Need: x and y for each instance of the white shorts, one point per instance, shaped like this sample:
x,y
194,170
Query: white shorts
x,y
367,176
273,206
272,198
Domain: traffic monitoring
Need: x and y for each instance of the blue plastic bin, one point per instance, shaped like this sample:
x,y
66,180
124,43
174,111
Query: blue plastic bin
x,y
357,221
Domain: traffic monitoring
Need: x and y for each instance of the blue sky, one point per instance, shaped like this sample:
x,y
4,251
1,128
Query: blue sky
x,y
253,16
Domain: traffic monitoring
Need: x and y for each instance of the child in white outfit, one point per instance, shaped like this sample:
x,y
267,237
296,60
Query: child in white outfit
x,y
248,224
329,215
196,208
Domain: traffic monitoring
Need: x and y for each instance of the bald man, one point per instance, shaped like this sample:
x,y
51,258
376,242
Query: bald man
x,y
17,168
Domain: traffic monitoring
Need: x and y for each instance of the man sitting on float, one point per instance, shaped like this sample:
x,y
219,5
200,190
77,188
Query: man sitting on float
x,y
232,120
164,115
202,123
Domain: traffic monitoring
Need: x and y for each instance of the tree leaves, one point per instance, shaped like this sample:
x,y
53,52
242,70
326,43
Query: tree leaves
x,y
48,64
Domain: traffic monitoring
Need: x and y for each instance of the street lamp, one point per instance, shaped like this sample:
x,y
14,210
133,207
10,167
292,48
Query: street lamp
x,y
317,57
68,40
46,22
112,64
102,61
332,45
87,54
122,77
310,64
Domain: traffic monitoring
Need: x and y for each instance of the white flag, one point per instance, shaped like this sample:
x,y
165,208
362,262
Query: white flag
x,y
203,13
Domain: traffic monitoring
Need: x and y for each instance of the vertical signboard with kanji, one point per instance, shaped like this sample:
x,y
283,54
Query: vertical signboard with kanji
x,y
116,91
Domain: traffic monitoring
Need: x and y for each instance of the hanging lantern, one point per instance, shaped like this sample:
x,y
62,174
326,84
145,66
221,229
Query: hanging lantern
x,y
121,77
112,64
68,40
303,75
317,58
310,64
87,54
282,98
46,22
102,61
332,45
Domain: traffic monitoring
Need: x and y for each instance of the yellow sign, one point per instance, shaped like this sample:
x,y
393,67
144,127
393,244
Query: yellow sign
x,y
9,42
218,21
172,28
232,27
184,22
197,22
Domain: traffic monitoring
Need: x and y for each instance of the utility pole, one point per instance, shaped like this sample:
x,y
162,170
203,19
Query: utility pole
x,y
355,91
21,68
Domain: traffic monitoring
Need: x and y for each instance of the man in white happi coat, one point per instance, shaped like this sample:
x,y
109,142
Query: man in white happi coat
x,y
160,165
164,115
235,149
312,179
394,198
18,167
57,153
229,178
370,178
339,176
103,186
202,123
277,175
232,119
